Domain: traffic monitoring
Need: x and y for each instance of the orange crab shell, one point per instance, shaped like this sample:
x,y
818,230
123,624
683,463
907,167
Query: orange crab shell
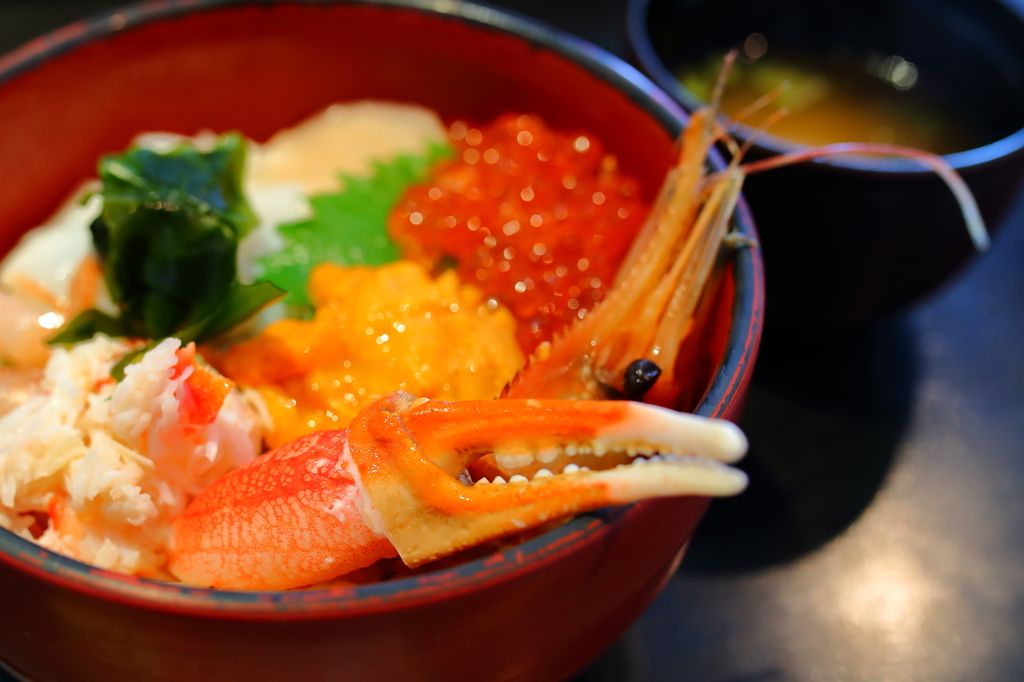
x,y
230,534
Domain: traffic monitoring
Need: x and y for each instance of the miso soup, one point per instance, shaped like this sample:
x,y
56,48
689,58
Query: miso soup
x,y
829,103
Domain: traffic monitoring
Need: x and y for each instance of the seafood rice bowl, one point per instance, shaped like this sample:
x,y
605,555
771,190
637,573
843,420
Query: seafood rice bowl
x,y
208,295
335,356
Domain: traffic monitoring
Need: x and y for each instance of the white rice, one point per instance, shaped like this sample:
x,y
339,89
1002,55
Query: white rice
x,y
117,453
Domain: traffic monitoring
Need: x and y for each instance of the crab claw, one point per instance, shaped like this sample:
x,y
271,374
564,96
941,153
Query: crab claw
x,y
407,455
333,502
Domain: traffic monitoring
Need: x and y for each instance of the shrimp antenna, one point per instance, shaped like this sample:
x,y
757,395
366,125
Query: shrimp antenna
x,y
727,139
762,101
723,76
772,119
968,206
716,94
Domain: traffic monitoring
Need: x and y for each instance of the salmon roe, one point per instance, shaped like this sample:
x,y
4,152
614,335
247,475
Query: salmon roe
x,y
538,219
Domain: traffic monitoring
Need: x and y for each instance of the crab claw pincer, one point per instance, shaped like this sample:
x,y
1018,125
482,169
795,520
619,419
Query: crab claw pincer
x,y
332,502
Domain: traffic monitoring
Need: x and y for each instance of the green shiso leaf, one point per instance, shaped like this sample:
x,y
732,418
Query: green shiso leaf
x,y
348,227
167,241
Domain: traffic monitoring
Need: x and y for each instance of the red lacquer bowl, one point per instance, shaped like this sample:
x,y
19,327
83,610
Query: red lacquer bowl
x,y
536,612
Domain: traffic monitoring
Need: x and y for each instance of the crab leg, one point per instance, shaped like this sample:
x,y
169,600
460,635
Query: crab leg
x,y
287,519
332,502
408,459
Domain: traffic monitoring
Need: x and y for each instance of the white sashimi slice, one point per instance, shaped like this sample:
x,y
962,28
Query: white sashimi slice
x,y
50,254
343,139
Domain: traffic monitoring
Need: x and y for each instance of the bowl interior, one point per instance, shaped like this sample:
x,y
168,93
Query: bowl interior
x,y
969,54
87,90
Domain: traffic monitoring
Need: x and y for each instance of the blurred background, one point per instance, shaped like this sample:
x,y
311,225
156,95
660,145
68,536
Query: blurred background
x,y
882,537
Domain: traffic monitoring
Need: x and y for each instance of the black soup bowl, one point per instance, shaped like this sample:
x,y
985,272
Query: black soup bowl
x,y
851,238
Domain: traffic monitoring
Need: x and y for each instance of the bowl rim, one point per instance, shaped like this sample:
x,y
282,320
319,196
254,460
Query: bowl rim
x,y
639,43
726,385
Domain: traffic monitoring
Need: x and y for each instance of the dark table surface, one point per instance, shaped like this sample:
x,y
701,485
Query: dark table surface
x,y
882,537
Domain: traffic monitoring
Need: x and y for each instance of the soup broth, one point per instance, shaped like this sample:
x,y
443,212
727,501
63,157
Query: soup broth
x,y
830,103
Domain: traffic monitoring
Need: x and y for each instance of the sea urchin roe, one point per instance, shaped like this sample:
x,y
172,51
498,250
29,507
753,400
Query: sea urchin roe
x,y
538,219
376,330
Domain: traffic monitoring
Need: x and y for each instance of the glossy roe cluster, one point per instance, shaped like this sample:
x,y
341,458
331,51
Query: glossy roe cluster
x,y
537,219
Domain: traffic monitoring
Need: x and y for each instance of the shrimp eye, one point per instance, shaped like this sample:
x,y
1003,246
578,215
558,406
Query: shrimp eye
x,y
640,377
